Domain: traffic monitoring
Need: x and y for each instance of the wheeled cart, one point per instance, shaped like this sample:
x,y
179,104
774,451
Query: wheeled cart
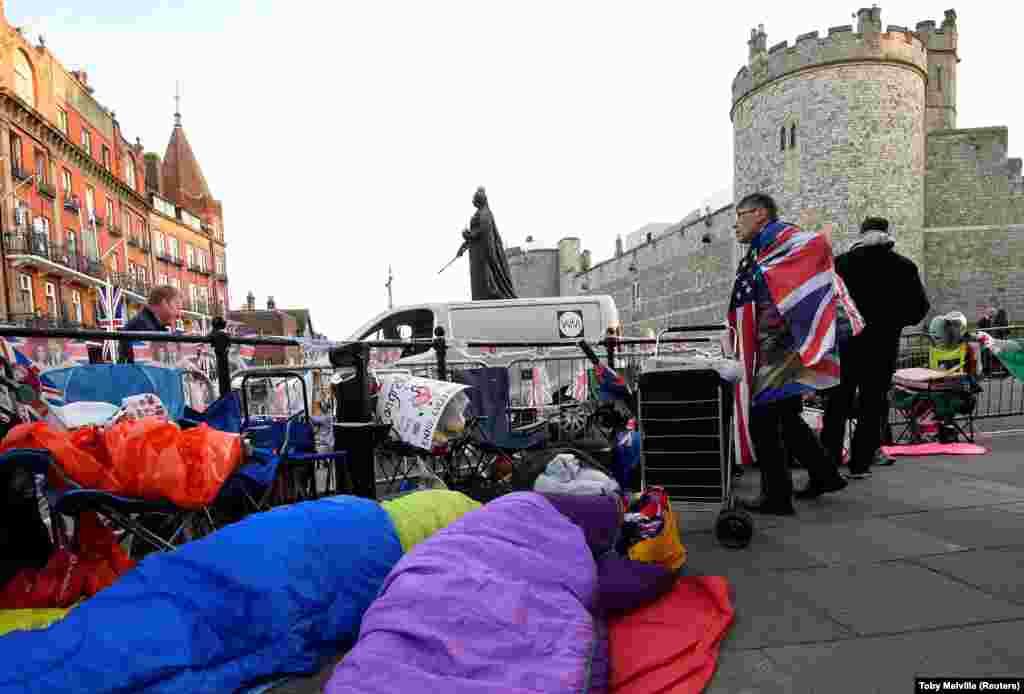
x,y
684,422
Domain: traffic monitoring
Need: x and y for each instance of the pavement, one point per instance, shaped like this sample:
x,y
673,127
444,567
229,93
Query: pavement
x,y
917,571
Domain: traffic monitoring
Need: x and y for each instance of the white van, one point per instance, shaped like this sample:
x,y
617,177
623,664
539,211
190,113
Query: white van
x,y
565,319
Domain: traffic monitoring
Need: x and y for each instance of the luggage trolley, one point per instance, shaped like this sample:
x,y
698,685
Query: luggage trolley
x,y
685,436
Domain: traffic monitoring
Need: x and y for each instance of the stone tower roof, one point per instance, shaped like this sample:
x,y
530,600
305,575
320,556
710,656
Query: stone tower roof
x,y
180,176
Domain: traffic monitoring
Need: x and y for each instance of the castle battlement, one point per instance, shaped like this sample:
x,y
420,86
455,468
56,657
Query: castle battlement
x,y
897,44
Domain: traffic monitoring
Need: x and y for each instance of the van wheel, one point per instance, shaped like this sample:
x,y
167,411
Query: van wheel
x,y
573,420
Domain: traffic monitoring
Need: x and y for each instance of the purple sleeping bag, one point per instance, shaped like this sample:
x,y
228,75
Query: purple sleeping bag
x,y
502,600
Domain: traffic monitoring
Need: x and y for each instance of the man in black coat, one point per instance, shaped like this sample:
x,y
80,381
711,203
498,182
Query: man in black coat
x,y
887,289
159,314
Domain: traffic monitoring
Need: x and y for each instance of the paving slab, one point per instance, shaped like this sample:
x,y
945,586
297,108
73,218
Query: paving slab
x,y
876,664
996,572
897,597
770,612
865,540
750,672
943,491
705,557
971,527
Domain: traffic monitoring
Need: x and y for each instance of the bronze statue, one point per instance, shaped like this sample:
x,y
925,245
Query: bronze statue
x,y
489,275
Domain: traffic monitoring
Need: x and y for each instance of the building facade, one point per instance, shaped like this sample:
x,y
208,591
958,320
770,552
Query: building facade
x,y
860,122
76,211
274,322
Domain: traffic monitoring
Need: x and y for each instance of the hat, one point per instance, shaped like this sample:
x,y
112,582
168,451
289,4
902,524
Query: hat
x,y
875,224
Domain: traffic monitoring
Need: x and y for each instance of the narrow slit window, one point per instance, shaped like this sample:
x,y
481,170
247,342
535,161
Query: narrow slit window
x,y
782,139
792,135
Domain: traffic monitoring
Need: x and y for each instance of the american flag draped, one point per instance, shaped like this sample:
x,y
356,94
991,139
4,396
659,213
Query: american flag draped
x,y
787,289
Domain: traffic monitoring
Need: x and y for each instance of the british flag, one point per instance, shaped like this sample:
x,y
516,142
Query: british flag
x,y
793,270
111,315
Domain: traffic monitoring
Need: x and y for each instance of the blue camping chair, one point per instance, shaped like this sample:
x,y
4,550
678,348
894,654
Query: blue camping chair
x,y
489,406
111,383
283,461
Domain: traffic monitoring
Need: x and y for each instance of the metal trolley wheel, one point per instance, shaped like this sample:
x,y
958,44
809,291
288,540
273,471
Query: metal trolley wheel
x,y
734,528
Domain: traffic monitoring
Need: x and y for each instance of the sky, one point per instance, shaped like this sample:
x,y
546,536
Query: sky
x,y
346,137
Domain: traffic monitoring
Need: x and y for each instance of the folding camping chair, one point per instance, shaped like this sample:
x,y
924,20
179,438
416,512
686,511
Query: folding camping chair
x,y
935,404
161,525
285,444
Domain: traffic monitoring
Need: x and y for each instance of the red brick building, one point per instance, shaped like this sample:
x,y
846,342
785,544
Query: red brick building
x,y
75,207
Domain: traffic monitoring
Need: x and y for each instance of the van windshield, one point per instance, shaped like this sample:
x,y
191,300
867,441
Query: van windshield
x,y
415,324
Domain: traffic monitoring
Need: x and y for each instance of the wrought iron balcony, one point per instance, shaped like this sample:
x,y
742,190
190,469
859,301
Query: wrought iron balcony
x,y
19,173
40,246
199,269
164,256
132,284
47,189
222,276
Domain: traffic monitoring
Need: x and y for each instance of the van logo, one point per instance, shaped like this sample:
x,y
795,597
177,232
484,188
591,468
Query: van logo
x,y
570,324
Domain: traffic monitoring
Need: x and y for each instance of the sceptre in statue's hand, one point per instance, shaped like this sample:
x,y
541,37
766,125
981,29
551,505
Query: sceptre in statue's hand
x,y
462,249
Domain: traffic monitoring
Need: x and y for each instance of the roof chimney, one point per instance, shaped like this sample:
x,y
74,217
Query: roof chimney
x,y
618,246
250,301
270,303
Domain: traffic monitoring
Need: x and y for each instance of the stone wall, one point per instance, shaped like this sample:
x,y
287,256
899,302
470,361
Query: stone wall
x,y
970,180
679,278
967,268
859,150
534,274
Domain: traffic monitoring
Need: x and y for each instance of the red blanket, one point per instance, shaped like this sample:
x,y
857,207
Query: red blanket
x,y
671,645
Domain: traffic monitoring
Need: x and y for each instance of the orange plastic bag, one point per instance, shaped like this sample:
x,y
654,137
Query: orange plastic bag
x,y
148,458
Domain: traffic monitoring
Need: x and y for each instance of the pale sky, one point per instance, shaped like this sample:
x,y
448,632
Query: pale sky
x,y
345,136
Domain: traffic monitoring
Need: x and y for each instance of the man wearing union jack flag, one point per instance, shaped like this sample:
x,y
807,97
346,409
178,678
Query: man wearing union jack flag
x,y
789,312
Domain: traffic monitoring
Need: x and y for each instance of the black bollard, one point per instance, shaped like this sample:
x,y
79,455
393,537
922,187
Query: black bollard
x,y
221,345
441,349
354,429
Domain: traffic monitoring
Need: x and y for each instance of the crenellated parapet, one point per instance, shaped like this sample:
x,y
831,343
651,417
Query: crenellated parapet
x,y
842,44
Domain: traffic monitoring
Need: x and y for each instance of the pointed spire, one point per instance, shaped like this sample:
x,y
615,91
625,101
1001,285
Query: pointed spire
x,y
177,104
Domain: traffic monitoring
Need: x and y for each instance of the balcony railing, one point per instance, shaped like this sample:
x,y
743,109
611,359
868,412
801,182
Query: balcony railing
x,y
71,203
130,283
139,241
164,256
40,246
222,276
64,316
47,189
198,306
199,269
19,173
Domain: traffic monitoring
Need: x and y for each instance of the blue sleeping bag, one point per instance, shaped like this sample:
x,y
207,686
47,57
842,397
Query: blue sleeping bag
x,y
276,593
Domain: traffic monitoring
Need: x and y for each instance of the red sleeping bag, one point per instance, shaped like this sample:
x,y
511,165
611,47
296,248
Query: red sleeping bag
x,y
671,644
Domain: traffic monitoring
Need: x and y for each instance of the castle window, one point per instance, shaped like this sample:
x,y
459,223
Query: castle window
x,y
792,135
636,296
24,86
938,78
782,139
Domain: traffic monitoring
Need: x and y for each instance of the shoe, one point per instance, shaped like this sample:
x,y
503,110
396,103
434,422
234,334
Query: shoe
x,y
857,474
813,491
883,459
766,508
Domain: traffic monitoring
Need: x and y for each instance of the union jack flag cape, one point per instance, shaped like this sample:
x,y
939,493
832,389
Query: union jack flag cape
x,y
793,270
111,315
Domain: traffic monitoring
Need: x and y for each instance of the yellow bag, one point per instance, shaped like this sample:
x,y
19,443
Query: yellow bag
x,y
24,620
665,548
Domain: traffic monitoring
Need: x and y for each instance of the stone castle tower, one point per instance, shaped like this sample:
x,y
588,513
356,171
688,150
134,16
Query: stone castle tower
x,y
835,128
859,122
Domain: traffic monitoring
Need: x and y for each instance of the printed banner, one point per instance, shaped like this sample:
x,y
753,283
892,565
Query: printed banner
x,y
414,406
